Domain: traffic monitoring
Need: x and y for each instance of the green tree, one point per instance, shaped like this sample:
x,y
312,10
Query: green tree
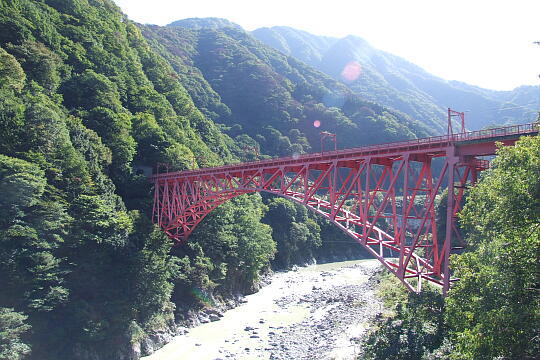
x,y
12,81
115,130
12,327
90,90
32,227
40,64
493,311
152,272
151,139
297,236
413,328
12,74
231,247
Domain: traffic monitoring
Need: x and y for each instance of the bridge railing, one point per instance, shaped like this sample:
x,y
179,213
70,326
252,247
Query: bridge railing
x,y
496,132
467,136
441,139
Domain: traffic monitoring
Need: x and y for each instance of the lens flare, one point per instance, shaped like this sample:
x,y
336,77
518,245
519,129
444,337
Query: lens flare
x,y
351,71
317,123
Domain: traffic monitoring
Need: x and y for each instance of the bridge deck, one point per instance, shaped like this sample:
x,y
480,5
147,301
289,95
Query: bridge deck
x,y
436,143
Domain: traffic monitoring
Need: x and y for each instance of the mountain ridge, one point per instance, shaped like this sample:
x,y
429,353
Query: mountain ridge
x,y
261,87
387,78
394,82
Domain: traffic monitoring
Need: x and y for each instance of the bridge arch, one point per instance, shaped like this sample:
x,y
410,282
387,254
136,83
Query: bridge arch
x,y
383,196
359,197
316,205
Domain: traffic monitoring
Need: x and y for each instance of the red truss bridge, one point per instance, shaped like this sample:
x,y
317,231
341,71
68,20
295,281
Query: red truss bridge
x,y
383,196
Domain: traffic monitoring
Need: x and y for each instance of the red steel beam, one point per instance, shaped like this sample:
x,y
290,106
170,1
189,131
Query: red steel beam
x,y
356,189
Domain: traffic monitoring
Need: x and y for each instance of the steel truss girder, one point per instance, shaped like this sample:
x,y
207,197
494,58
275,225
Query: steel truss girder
x,y
386,203
383,195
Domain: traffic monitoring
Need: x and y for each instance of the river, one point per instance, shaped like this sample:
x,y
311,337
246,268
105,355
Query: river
x,y
313,312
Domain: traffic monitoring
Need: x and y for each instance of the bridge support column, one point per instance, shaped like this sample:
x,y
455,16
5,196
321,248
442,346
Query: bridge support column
x,y
402,234
452,165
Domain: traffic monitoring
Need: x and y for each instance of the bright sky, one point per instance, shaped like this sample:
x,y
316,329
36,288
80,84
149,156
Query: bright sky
x,y
489,43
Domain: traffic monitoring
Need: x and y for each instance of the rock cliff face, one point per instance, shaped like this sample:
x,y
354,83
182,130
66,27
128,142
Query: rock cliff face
x,y
158,338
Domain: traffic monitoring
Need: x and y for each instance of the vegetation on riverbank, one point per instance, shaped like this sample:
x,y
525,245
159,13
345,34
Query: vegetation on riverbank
x,y
493,311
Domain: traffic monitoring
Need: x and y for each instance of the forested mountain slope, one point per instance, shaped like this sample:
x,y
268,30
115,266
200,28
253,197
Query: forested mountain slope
x,y
89,101
256,91
395,82
84,101
86,104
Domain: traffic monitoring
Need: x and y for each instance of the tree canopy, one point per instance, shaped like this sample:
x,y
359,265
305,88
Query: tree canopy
x,y
493,311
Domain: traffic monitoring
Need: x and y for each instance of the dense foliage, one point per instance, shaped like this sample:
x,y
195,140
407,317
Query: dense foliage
x,y
87,106
412,327
493,311
230,251
84,101
395,82
267,101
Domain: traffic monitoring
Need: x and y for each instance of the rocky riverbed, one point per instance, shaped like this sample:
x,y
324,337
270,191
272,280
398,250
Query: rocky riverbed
x,y
316,312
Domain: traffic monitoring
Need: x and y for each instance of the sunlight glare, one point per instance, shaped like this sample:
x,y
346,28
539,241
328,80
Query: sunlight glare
x,y
351,71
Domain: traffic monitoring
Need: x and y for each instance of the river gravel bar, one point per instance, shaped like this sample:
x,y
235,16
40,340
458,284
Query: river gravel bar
x,y
314,312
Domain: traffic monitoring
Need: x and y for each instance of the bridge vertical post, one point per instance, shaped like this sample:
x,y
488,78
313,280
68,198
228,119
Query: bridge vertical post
x,y
359,192
461,115
452,162
404,221
156,208
432,193
474,175
305,181
333,188
366,200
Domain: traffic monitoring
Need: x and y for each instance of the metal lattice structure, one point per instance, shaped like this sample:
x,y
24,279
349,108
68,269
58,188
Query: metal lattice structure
x,y
383,196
